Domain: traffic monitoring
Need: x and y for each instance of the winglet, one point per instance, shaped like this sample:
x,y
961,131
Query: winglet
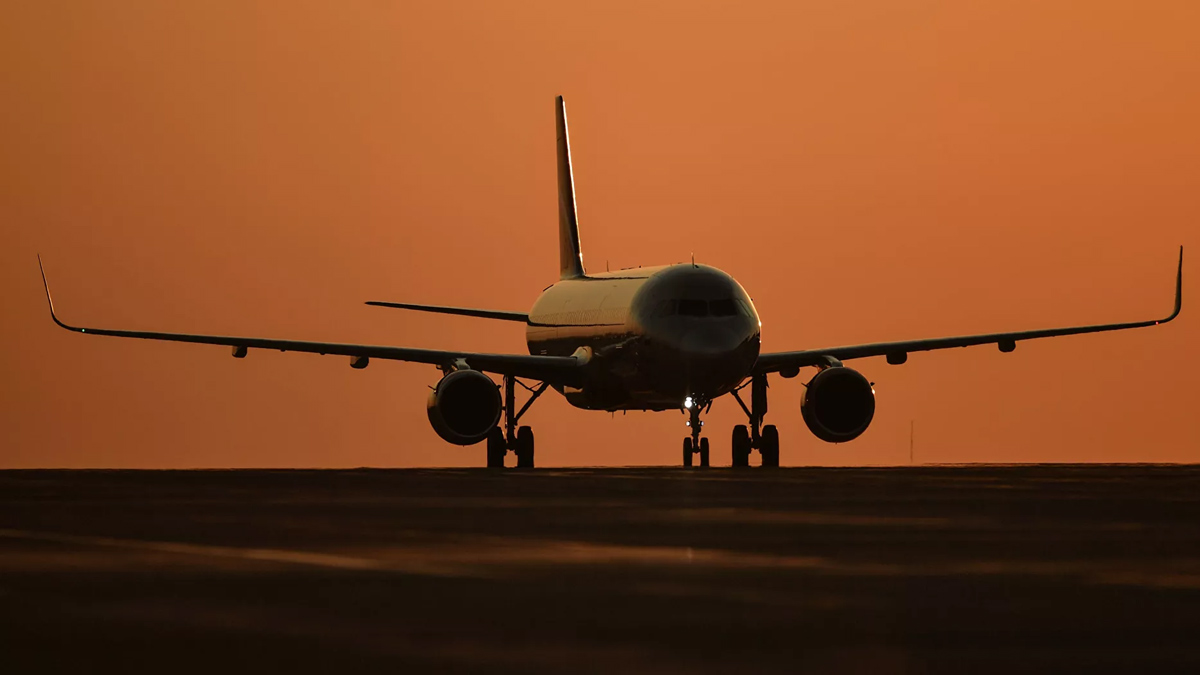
x,y
50,300
1178,288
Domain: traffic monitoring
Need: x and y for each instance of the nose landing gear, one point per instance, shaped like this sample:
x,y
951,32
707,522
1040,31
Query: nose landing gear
x,y
765,440
695,444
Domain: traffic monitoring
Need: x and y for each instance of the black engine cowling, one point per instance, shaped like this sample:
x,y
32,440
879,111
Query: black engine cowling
x,y
464,407
839,405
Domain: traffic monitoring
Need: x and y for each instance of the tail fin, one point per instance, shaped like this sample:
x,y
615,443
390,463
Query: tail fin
x,y
570,258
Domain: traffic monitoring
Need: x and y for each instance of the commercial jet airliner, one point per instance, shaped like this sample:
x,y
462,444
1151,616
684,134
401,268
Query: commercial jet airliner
x,y
675,337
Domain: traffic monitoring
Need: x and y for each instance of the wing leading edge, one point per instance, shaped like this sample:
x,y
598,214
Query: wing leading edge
x,y
460,311
554,369
897,352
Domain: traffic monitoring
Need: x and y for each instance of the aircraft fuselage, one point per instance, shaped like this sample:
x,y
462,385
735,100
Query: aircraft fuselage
x,y
657,335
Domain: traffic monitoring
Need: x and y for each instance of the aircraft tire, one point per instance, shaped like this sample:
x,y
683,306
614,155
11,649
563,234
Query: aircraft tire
x,y
496,448
770,446
741,446
687,452
704,452
524,448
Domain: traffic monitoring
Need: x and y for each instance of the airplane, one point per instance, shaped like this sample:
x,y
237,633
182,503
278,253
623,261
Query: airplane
x,y
675,337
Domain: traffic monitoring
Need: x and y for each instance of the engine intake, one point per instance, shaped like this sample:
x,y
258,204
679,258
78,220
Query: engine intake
x,y
464,407
839,405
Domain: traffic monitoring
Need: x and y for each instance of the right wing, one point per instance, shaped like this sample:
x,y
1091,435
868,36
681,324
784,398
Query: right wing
x,y
461,311
564,370
897,352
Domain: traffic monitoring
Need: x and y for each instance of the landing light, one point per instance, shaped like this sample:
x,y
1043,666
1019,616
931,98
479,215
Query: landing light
x,y
687,402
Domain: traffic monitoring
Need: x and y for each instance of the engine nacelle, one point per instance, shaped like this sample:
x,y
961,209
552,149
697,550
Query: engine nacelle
x,y
464,407
839,405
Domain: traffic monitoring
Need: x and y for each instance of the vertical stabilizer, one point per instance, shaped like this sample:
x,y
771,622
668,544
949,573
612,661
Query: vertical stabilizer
x,y
570,257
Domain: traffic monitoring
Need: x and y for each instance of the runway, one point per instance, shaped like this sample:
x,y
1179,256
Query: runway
x,y
881,570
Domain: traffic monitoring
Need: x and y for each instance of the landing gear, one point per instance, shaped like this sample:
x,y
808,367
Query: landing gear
x,y
695,444
520,441
741,446
689,449
496,448
765,440
524,448
769,446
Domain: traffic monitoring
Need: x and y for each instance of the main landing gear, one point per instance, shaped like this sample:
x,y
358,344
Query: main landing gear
x,y
519,440
694,445
766,440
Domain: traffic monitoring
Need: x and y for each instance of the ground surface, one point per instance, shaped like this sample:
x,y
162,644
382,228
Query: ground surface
x,y
945,569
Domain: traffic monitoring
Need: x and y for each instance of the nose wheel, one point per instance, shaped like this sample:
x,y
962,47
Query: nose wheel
x,y
695,445
691,448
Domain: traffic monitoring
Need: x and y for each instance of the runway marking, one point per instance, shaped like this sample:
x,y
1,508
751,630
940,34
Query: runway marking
x,y
260,554
500,557
741,515
482,559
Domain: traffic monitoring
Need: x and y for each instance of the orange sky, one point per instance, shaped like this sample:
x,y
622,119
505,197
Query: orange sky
x,y
868,171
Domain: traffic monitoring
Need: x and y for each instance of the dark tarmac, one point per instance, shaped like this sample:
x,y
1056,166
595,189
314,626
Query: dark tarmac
x,y
891,570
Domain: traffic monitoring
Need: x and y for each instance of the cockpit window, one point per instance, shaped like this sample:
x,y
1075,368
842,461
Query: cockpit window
x,y
699,308
722,307
693,307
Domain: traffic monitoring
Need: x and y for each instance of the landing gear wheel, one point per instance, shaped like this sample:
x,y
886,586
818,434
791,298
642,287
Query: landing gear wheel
x,y
496,448
741,446
770,446
687,452
524,448
704,452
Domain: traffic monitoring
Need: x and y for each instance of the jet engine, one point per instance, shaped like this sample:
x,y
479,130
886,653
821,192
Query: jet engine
x,y
464,407
838,405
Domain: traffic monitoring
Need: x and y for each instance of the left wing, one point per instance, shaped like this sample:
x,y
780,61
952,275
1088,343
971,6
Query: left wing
x,y
897,352
567,370
460,311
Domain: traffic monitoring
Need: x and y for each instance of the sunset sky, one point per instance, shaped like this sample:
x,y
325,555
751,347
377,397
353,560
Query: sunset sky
x,y
868,170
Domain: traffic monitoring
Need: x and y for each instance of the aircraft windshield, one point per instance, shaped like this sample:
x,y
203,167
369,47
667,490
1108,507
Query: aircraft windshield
x,y
700,308
723,307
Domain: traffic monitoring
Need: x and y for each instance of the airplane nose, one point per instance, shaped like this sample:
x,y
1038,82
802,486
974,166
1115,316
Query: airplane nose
x,y
717,357
712,342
